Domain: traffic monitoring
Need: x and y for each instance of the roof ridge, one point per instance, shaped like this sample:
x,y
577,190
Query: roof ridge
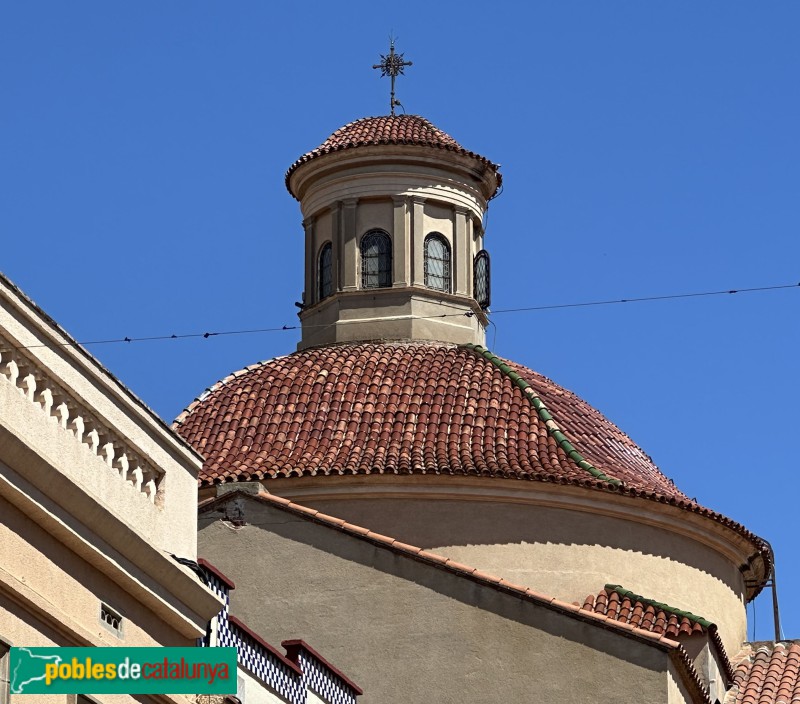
x,y
705,623
553,430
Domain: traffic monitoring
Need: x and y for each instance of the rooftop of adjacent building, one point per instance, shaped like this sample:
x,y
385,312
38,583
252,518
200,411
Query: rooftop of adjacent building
x,y
766,672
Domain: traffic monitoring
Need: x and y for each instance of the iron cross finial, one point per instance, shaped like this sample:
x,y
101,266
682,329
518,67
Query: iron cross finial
x,y
392,65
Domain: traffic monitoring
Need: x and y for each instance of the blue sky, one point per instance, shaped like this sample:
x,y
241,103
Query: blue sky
x,y
647,148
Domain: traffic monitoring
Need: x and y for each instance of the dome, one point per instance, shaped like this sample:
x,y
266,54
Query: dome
x,y
414,409
389,130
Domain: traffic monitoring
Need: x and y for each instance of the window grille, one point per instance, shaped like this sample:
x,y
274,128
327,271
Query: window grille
x,y
376,260
325,272
437,262
482,279
111,619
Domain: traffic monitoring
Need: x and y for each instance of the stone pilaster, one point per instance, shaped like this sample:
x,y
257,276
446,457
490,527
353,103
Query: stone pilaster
x,y
349,249
461,255
418,241
401,243
310,292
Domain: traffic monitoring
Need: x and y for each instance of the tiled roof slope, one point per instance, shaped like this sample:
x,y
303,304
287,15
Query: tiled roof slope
x,y
767,673
624,606
401,409
416,408
392,130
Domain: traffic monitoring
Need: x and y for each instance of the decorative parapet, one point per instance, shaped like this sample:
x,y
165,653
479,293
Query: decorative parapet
x,y
292,676
66,412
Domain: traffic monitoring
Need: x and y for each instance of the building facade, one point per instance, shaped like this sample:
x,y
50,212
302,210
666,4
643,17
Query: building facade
x,y
96,496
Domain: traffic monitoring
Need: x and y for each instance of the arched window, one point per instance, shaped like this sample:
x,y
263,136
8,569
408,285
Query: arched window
x,y
437,262
482,279
325,271
376,260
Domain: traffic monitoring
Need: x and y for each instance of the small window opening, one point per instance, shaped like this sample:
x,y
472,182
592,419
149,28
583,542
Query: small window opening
x,y
111,619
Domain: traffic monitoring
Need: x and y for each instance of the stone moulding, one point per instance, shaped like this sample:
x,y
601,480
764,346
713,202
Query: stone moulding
x,y
67,413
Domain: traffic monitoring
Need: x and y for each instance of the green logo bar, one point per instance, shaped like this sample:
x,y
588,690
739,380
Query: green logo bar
x,y
122,670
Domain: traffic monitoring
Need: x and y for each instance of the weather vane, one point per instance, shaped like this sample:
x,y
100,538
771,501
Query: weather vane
x,y
392,65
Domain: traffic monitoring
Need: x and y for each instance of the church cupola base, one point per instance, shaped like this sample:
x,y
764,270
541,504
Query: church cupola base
x,y
392,314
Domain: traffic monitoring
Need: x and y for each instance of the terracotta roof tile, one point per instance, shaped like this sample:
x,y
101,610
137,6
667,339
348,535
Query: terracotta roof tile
x,y
390,130
412,408
471,420
767,673
625,607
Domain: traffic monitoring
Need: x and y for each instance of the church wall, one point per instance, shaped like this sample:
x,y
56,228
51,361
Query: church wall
x,y
406,631
707,663
390,314
439,218
323,232
569,554
375,214
677,693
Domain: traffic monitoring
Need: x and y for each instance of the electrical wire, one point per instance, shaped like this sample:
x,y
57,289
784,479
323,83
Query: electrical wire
x,y
558,306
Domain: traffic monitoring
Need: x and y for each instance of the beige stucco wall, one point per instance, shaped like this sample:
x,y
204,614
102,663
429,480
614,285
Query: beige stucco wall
x,y
559,540
437,217
49,596
566,552
74,587
95,493
408,632
81,471
677,693
19,627
375,214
